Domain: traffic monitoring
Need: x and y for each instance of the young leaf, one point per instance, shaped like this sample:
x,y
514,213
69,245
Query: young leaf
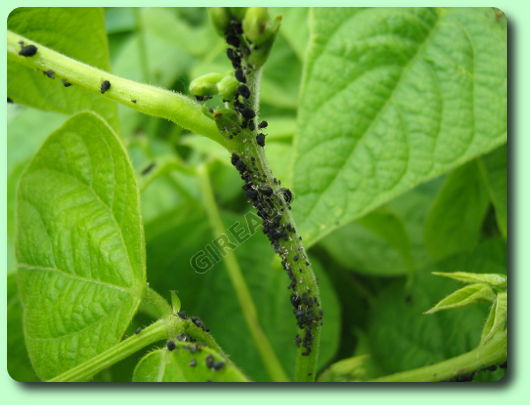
x,y
401,338
454,221
79,245
74,31
183,365
392,97
467,295
495,280
496,319
495,171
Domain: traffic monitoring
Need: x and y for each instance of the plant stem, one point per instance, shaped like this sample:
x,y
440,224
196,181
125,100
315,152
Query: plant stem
x,y
84,371
306,296
244,297
491,353
147,99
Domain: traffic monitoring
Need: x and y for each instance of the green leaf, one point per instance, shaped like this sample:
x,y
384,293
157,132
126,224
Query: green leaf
x,y
402,338
18,364
211,296
180,365
495,280
79,246
470,294
393,97
494,168
73,31
347,370
455,218
497,317
377,244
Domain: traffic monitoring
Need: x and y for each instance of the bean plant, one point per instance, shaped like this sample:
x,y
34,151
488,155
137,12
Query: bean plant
x,y
257,194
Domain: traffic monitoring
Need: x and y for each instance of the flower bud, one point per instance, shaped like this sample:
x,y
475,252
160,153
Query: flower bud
x,y
263,46
205,85
255,24
227,87
220,17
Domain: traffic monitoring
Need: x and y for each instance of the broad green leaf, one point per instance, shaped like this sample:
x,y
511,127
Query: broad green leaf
x,y
18,364
80,247
402,338
494,168
73,31
26,130
497,317
210,295
470,294
455,218
393,97
377,244
181,365
495,280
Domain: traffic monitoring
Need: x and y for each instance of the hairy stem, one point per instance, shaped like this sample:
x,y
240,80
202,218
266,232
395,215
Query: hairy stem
x,y
244,297
273,206
147,99
491,353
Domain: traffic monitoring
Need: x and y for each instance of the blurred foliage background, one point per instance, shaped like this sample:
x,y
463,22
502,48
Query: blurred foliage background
x,y
374,273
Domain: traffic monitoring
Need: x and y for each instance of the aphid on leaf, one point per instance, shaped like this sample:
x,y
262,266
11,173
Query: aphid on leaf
x,y
192,363
240,76
263,124
137,331
210,361
287,195
170,345
28,50
251,125
66,83
233,40
105,85
149,168
218,365
50,73
260,139
244,91
247,113
182,315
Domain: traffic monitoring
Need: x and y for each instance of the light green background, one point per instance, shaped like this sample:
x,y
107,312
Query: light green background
x,y
516,388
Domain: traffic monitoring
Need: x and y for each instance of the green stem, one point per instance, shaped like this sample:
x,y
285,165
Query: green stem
x,y
244,297
491,353
84,371
147,99
291,249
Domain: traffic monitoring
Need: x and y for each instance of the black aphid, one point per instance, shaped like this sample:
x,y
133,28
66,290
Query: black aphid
x,y
28,50
260,139
10,100
263,124
287,195
210,361
50,73
170,345
192,363
182,315
137,331
148,169
105,85
491,368
503,365
240,76
218,365
183,337
244,91
134,101
233,40
234,58
267,191
251,125
296,257
247,113
66,83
